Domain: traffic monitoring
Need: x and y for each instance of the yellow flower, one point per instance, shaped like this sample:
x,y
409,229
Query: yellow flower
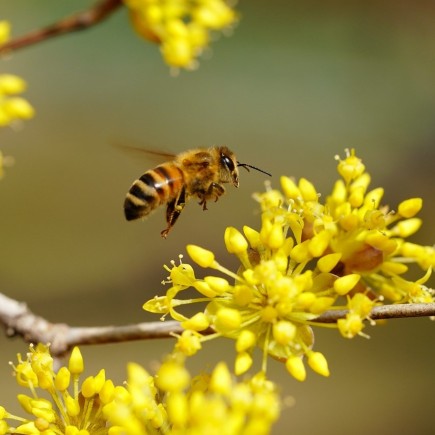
x,y
182,28
5,29
309,256
12,107
71,408
172,402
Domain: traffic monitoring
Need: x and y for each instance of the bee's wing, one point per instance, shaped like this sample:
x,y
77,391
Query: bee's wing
x,y
136,151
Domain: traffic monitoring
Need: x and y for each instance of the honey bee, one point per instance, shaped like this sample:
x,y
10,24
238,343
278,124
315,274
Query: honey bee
x,y
200,173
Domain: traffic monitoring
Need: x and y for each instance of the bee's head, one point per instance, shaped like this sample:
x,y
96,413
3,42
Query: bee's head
x,y
229,169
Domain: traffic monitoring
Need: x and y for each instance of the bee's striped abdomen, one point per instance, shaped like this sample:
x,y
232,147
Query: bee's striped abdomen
x,y
156,187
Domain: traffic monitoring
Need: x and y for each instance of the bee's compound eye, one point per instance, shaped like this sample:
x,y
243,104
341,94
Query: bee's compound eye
x,y
227,162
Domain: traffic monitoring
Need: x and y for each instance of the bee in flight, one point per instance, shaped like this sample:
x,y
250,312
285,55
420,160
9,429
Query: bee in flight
x,y
197,173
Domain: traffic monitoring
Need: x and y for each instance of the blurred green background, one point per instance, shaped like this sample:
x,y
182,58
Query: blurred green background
x,y
296,84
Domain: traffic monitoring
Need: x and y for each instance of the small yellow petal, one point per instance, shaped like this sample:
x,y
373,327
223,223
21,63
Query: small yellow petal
x,y
373,198
350,326
308,190
189,343
410,207
72,406
328,262
321,304
345,284
198,322
356,198
394,268
234,241
295,366
253,237
319,243
178,52
408,227
339,193
218,284
106,393
5,29
243,295
228,319
62,379
25,402
88,387
318,363
204,288
220,381
301,253
17,107
172,377
245,340
284,332
351,167
243,363
290,189
76,364
99,380
177,407
201,256
11,84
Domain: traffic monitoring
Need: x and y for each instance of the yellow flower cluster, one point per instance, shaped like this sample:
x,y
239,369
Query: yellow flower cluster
x,y
12,107
74,409
308,257
181,27
172,402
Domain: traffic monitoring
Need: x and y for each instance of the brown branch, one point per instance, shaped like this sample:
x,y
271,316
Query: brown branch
x,y
79,21
398,311
19,320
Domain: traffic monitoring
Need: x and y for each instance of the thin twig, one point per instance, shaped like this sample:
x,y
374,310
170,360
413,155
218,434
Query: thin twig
x,y
398,311
79,21
19,320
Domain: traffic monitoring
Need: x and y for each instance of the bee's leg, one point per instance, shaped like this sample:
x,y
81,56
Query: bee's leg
x,y
174,209
215,190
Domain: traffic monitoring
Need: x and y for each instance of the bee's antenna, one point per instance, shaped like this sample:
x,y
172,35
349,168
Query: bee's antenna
x,y
246,166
